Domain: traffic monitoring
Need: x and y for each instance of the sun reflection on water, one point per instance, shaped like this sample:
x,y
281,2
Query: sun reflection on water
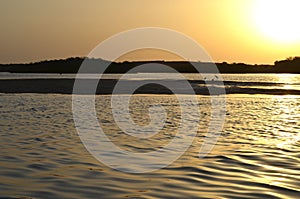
x,y
287,78
287,118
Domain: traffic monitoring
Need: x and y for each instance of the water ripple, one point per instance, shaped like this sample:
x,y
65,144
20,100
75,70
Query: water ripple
x,y
257,155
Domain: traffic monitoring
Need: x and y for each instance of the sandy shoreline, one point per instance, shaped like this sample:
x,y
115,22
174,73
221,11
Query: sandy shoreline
x,y
106,86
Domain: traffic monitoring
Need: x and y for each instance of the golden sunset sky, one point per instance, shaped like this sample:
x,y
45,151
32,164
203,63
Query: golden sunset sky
x,y
250,31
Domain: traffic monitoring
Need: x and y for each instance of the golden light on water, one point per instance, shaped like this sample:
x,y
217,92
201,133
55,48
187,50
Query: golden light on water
x,y
287,78
287,137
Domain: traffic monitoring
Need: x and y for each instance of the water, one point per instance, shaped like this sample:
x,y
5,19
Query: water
x,y
257,155
256,77
235,81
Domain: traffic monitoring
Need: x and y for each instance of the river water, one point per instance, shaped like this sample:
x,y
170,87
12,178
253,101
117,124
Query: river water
x,y
256,156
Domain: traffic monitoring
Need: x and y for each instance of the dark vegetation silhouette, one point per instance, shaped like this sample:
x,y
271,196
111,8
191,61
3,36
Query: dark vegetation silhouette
x,y
290,65
72,65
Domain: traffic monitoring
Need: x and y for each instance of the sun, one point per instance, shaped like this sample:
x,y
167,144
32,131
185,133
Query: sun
x,y
278,19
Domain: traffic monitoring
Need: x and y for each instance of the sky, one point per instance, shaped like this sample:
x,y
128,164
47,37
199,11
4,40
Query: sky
x,y
246,31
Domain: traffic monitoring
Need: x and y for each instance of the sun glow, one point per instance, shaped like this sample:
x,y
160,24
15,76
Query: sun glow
x,y
278,19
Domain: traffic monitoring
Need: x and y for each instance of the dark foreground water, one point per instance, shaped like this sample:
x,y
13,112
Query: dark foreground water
x,y
257,155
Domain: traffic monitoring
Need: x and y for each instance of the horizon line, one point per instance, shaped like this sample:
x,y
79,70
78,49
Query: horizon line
x,y
135,61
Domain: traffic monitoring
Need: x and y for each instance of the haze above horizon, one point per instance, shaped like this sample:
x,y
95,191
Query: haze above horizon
x,y
249,31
